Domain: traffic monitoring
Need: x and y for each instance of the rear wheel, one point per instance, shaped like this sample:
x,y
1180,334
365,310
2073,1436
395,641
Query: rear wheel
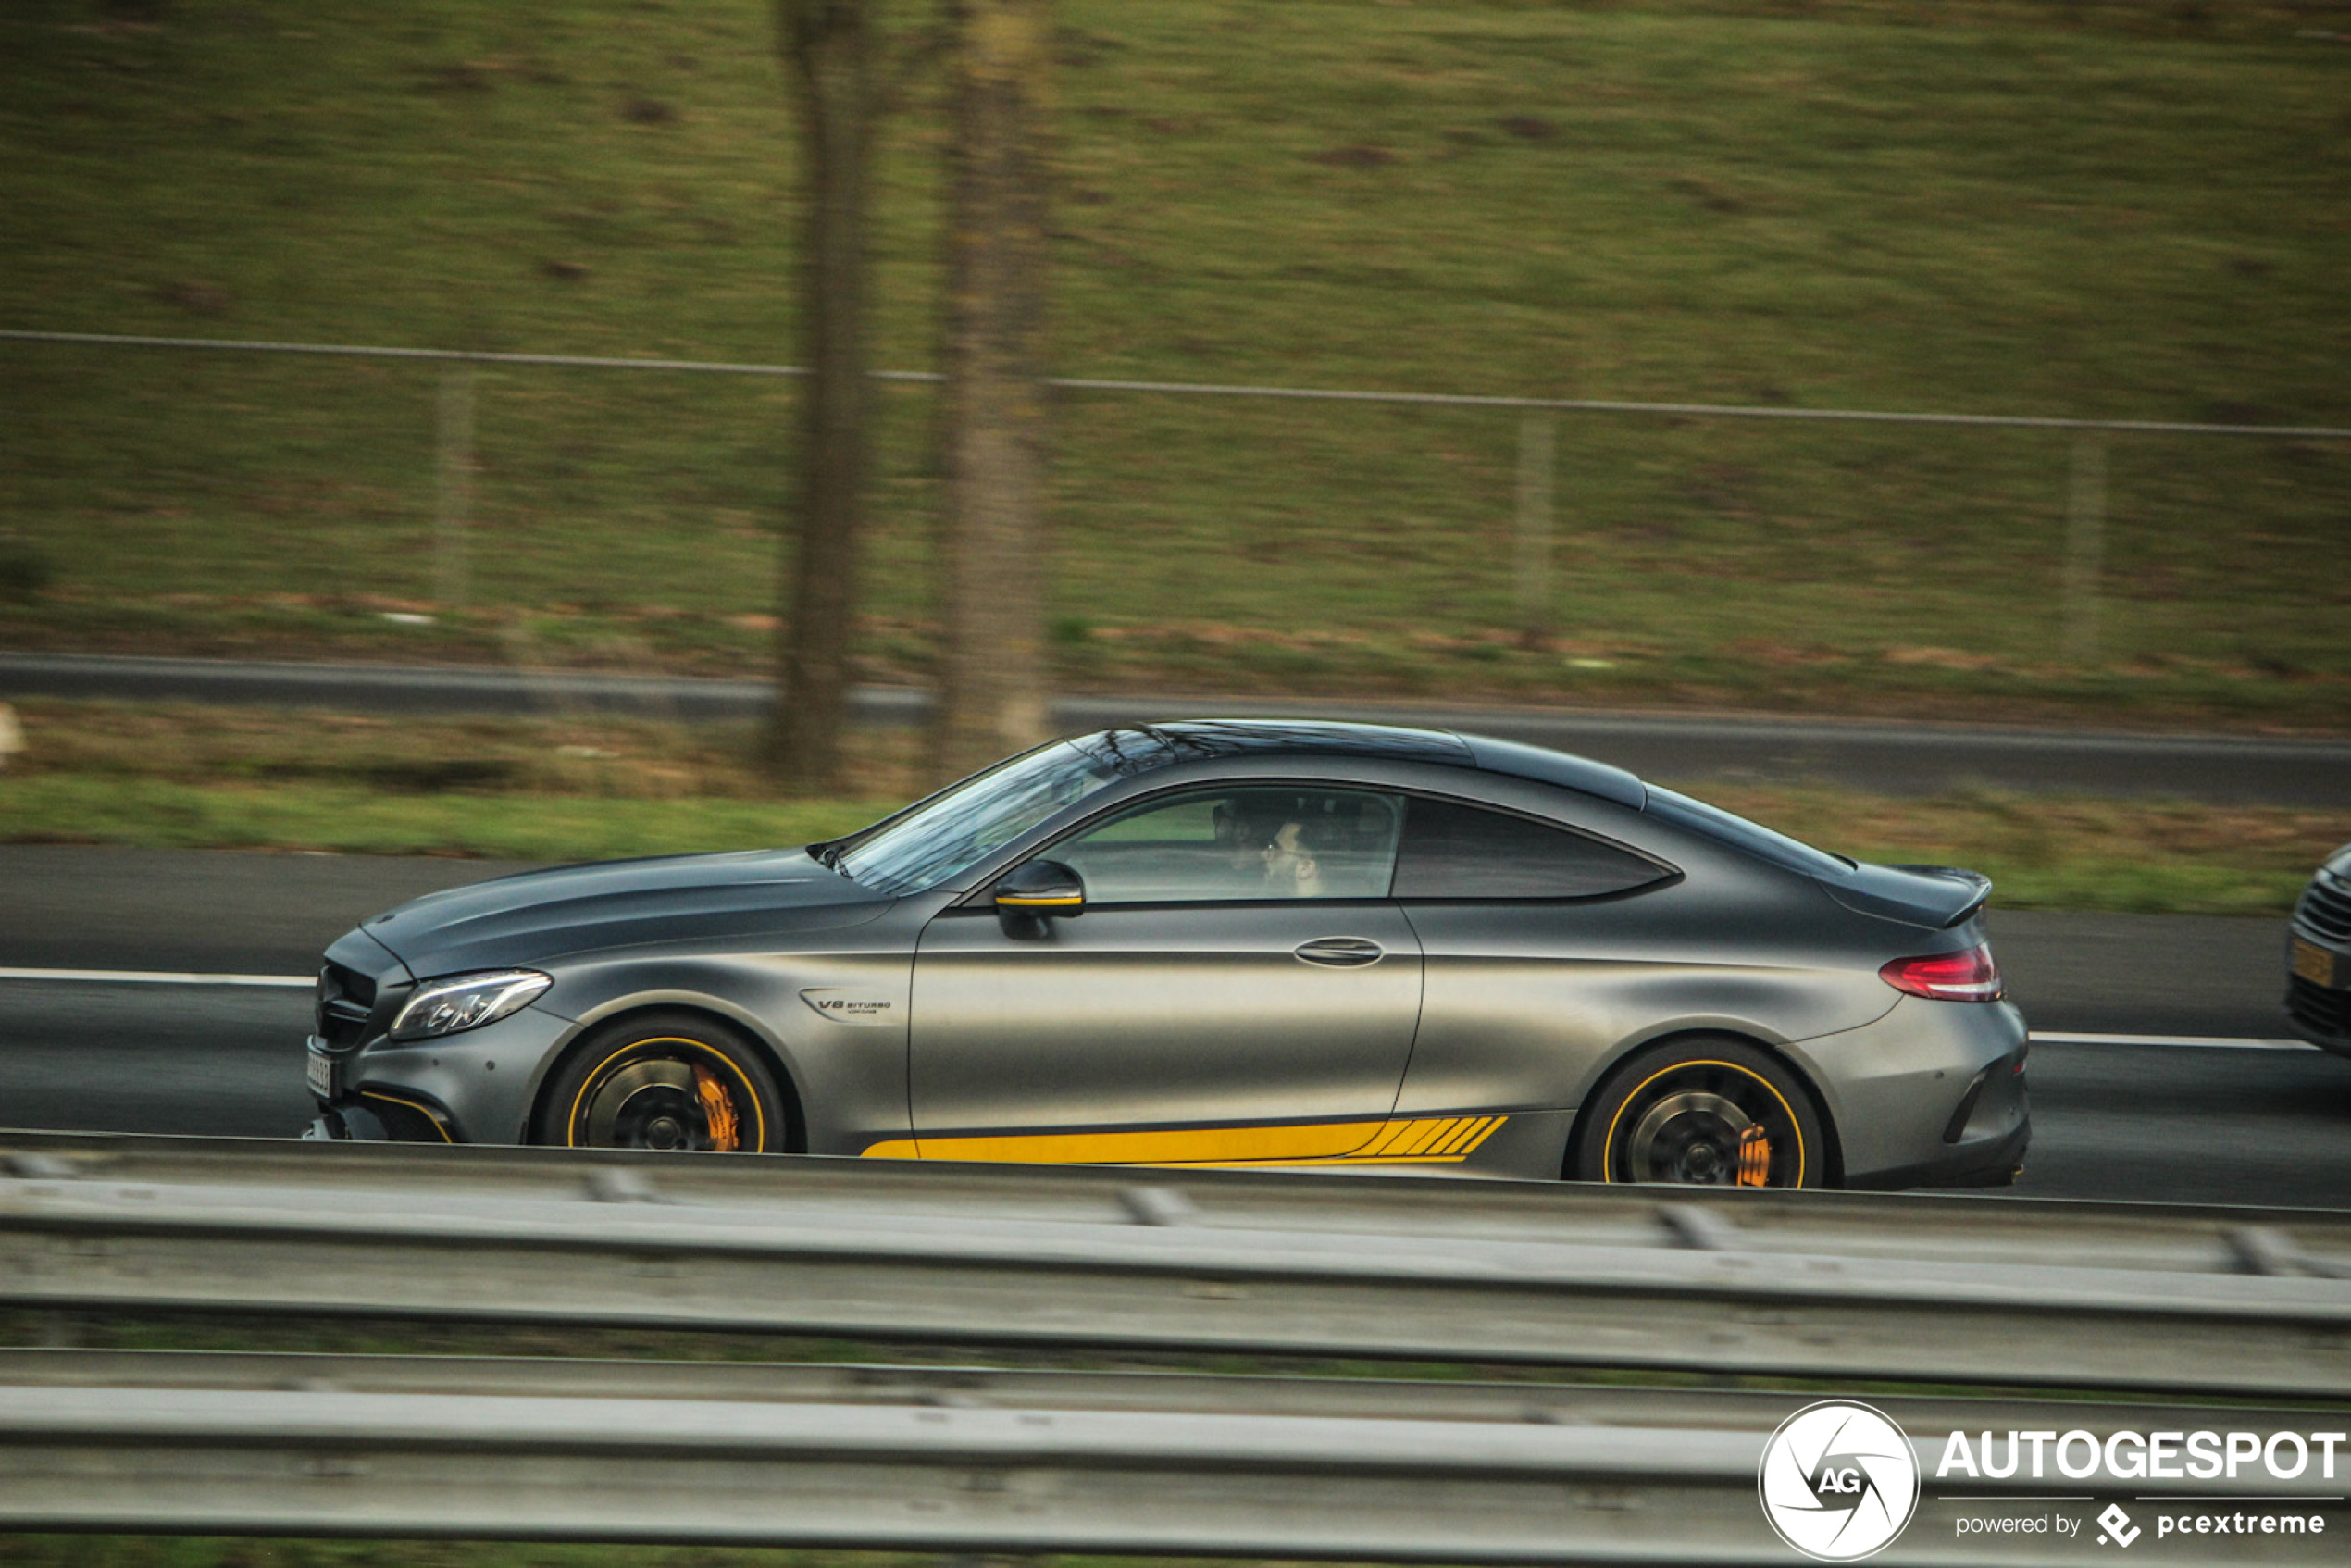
x,y
665,1081
1702,1112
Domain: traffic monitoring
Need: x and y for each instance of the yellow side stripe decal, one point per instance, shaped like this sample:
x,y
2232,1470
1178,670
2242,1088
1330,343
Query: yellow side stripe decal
x,y
1471,1129
1415,1140
1425,1136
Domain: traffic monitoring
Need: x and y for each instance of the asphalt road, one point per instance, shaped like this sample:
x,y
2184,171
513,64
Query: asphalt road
x,y
1893,758
2152,1122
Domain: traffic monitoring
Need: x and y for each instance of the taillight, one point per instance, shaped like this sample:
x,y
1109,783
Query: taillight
x,y
1948,976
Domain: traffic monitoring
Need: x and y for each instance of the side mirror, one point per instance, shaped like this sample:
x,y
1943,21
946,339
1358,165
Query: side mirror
x,y
1041,888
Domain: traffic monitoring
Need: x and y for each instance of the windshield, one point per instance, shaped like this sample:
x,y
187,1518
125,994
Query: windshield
x,y
945,837
1715,823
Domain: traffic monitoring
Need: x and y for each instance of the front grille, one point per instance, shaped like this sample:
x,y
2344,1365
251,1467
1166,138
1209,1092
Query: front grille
x,y
2319,1011
346,1000
2325,910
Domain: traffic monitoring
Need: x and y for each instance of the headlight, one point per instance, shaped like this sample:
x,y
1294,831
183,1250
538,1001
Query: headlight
x,y
466,1002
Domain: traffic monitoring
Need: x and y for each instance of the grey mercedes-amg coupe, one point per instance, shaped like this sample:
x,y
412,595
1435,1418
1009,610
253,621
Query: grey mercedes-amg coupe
x,y
1225,942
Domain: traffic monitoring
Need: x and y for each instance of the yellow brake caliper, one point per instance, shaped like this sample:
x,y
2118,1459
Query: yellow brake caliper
x,y
1755,1155
718,1113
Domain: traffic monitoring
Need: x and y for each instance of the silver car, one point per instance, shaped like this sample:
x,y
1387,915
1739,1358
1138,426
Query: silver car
x,y
1217,943
2317,983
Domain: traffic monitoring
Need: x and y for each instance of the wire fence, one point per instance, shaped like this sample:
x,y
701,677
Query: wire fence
x,y
1342,528
1208,388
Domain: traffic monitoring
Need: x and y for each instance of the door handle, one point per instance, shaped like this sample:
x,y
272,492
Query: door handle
x,y
1339,952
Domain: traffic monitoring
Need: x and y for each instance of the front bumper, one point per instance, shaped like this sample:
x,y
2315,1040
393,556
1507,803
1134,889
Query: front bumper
x,y
471,1088
2319,1012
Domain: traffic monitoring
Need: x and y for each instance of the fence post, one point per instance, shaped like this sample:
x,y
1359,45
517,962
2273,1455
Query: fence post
x,y
454,485
2084,547
1535,461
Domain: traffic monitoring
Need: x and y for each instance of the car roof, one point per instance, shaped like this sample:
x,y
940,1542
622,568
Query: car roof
x,y
1143,746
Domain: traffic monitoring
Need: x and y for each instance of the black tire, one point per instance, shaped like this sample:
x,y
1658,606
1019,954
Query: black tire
x,y
669,1080
1702,1110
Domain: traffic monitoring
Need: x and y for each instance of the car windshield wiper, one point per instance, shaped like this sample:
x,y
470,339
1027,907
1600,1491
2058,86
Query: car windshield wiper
x,y
828,854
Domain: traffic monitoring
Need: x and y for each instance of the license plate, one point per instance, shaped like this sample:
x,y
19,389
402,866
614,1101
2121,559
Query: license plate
x,y
322,1076
2313,962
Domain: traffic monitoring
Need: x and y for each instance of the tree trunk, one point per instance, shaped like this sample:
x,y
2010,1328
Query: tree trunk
x,y
828,48
992,677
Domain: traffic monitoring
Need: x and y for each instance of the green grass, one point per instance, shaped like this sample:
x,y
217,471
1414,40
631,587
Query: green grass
x,y
357,821
2116,209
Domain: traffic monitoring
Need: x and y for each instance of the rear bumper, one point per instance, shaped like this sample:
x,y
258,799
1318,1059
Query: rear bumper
x,y
1996,1161
1931,1094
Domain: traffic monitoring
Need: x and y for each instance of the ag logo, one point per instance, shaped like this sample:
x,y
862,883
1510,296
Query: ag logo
x,y
1838,1481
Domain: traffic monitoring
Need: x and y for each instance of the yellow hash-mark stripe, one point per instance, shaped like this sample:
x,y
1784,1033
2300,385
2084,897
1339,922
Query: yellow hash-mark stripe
x,y
1426,1136
1419,1140
1465,1138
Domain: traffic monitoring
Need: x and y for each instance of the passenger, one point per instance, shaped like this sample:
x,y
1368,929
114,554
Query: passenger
x,y
1293,861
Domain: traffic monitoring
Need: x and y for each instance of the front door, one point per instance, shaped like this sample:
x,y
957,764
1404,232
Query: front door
x,y
1240,988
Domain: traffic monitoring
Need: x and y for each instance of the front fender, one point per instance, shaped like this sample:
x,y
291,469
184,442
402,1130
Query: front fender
x,y
834,1024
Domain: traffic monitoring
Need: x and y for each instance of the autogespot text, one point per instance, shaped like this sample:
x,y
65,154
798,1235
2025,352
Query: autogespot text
x,y
2141,1456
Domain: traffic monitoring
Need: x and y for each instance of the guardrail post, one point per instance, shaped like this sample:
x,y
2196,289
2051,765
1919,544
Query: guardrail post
x,y
1536,450
454,485
2084,548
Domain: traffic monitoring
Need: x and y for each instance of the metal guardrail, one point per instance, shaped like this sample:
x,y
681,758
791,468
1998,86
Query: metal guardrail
x,y
2175,1304
964,1458
1830,1286
1952,1227
1534,1400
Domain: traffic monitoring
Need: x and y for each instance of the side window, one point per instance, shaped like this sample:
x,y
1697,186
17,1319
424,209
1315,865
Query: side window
x,y
1460,851
1247,843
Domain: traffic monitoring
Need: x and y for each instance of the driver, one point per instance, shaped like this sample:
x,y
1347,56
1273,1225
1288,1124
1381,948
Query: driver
x,y
1294,859
1242,834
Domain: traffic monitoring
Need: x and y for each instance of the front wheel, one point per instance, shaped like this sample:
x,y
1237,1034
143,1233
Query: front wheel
x,y
665,1081
1702,1112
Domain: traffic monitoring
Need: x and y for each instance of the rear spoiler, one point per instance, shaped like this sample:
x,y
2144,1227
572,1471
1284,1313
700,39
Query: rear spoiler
x,y
1939,897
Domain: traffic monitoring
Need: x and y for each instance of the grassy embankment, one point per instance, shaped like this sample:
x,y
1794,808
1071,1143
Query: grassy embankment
x,y
2116,209
591,788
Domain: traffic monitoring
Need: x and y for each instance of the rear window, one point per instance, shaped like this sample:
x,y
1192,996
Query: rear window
x,y
1714,823
1452,851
